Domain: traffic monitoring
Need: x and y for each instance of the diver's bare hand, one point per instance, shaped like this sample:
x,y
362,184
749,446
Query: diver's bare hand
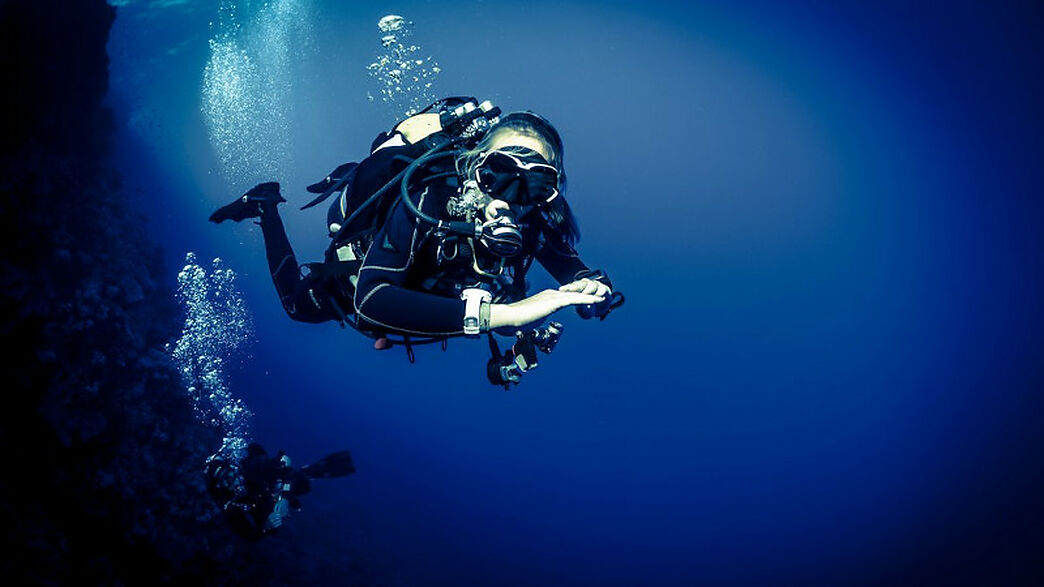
x,y
538,306
588,286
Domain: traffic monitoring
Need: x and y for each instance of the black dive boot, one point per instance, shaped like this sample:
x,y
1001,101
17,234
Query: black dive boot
x,y
249,204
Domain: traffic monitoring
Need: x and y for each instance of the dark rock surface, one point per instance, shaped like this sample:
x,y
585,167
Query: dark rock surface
x,y
101,475
102,454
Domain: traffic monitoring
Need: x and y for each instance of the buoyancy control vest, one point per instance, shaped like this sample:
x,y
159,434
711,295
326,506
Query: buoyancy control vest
x,y
355,217
454,122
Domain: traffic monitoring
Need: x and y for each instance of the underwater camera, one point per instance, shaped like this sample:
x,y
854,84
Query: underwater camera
x,y
522,356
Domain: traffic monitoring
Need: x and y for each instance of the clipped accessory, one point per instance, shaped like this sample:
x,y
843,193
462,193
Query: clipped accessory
x,y
521,358
601,310
280,511
470,119
474,301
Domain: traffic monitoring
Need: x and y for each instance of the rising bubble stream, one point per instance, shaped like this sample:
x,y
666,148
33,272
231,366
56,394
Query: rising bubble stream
x,y
217,327
404,76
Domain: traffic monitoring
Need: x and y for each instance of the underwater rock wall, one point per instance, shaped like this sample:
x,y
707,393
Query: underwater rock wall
x,y
99,442
102,453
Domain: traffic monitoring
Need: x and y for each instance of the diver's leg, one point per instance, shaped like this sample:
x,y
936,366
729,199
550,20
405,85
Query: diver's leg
x,y
282,264
296,294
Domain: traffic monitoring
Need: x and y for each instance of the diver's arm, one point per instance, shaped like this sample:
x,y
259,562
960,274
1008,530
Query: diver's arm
x,y
537,307
381,297
564,264
561,261
402,310
384,303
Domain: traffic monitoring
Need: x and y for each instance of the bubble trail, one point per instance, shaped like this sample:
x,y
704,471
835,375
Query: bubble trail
x,y
404,78
217,326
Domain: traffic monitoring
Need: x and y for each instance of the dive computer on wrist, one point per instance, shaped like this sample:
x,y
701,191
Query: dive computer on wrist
x,y
476,310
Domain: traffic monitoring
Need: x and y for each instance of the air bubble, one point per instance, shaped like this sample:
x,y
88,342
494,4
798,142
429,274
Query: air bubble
x,y
217,327
391,22
396,58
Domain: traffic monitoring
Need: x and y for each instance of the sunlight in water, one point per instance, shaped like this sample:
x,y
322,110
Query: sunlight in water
x,y
247,87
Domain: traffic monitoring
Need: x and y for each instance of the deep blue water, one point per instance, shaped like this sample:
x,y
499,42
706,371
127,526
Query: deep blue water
x,y
826,220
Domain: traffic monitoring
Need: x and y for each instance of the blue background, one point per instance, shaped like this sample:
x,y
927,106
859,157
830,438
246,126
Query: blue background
x,y
826,220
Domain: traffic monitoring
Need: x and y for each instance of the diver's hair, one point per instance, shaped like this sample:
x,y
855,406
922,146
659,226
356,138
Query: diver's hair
x,y
557,213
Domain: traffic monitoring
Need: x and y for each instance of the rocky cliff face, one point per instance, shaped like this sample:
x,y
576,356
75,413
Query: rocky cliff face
x,y
102,454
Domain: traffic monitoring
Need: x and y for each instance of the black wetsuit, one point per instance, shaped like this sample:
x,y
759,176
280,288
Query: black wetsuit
x,y
262,481
410,279
249,498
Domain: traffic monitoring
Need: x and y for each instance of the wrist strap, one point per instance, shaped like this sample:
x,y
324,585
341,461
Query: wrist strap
x,y
476,304
484,316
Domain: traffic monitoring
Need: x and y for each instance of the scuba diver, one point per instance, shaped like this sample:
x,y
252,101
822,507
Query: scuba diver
x,y
258,496
433,234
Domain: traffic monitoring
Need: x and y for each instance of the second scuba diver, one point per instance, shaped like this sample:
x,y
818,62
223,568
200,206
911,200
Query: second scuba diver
x,y
434,232
258,495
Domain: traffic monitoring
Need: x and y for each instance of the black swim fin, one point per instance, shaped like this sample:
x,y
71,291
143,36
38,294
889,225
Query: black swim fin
x,y
337,180
337,464
335,176
249,204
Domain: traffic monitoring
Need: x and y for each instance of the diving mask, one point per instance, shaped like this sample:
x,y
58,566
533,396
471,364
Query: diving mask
x,y
523,178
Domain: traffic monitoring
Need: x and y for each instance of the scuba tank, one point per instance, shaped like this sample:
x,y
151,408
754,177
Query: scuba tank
x,y
462,120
